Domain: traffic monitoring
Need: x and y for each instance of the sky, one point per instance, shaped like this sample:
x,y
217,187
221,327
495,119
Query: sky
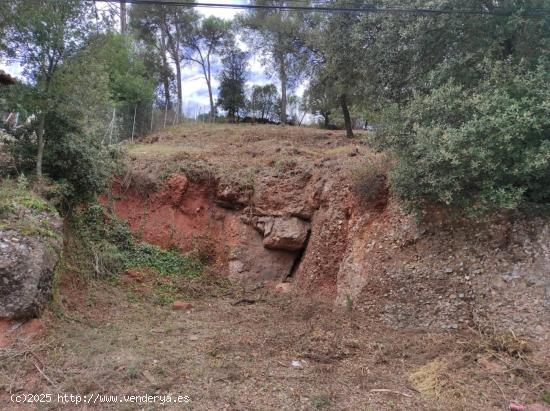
x,y
195,92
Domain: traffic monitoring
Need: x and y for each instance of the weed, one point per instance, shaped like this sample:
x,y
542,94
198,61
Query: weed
x,y
16,195
132,372
370,179
349,302
282,166
321,401
104,247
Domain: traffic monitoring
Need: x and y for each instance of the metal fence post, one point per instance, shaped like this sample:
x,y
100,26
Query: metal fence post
x,y
152,112
134,124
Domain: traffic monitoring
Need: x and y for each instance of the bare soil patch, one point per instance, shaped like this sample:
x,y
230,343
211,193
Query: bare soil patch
x,y
260,350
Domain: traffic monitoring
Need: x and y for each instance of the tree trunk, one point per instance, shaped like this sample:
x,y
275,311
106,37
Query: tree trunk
x,y
178,79
40,136
123,21
173,45
165,69
208,83
345,112
326,118
282,75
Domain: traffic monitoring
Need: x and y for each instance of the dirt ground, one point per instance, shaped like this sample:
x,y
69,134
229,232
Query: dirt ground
x,y
254,347
255,350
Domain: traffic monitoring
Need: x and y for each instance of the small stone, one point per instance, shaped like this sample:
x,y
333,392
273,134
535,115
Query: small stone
x,y
283,288
181,305
149,377
448,270
193,338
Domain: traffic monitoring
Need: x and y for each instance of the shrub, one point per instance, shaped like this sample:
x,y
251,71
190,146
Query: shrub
x,y
474,150
369,180
105,246
76,161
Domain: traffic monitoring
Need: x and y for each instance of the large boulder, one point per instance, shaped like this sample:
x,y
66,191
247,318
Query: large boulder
x,y
284,233
250,261
27,264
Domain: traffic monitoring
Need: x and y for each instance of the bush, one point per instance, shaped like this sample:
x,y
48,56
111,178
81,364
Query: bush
x,y
474,150
76,161
105,246
369,180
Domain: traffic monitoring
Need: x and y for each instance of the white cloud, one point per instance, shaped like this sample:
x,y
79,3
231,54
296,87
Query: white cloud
x,y
223,13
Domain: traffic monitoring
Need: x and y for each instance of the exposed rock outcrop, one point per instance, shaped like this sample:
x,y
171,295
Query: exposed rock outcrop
x,y
307,224
283,233
232,196
27,264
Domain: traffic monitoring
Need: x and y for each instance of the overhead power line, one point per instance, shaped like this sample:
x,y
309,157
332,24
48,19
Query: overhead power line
x,y
351,8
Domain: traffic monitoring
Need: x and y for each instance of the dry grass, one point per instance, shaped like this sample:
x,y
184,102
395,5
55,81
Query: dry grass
x,y
430,379
369,179
238,153
109,339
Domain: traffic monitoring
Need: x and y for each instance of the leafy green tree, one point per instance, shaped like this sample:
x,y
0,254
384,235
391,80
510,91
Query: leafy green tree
x,y
321,98
147,29
123,62
202,43
264,102
338,72
43,35
172,23
275,35
231,96
403,54
461,100
474,149
75,125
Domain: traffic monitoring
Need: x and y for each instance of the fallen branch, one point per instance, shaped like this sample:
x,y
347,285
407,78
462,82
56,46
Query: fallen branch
x,y
392,391
44,375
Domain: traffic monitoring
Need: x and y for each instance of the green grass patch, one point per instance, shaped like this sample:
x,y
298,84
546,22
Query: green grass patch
x,y
16,195
103,247
23,210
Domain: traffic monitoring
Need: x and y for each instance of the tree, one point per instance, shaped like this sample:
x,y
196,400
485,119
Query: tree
x,y
172,24
75,124
231,96
145,22
200,45
462,102
6,13
339,61
404,54
123,18
43,35
475,150
264,101
276,36
321,98
123,61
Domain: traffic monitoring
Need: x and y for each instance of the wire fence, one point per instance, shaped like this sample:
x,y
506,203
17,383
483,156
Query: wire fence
x,y
130,122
